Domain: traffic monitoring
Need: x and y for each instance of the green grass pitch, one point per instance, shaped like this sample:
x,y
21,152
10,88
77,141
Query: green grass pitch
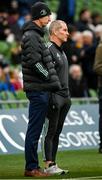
x,y
81,163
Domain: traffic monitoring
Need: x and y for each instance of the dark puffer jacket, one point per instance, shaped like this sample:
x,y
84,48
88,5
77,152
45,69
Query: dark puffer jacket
x,y
37,66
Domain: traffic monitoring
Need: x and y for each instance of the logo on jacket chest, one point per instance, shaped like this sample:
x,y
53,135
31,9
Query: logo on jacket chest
x,y
58,56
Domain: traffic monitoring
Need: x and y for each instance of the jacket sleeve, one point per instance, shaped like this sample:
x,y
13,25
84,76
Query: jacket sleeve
x,y
34,56
98,60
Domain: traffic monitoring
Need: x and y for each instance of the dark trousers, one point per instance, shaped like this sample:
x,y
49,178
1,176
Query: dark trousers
x,y
100,115
37,112
57,112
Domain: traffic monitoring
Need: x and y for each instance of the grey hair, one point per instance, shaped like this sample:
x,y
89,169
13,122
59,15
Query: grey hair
x,y
55,25
73,67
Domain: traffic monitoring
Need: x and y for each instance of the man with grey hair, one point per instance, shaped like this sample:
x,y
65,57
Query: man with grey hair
x,y
59,102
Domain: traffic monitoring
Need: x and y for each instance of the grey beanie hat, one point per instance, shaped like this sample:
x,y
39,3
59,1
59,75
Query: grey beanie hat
x,y
39,10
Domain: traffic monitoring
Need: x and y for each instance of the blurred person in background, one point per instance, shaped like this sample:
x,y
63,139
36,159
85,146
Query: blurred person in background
x,y
87,59
77,48
73,48
98,70
6,85
59,102
39,77
68,47
15,79
77,84
26,16
16,53
98,31
3,23
6,78
3,87
84,20
96,18
13,23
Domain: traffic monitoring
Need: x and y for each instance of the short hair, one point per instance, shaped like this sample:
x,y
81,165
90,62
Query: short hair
x,y
87,33
98,28
74,67
83,11
95,15
55,25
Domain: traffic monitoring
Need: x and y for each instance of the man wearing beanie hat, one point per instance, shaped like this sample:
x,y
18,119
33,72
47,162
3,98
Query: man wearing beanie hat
x,y
40,10
39,78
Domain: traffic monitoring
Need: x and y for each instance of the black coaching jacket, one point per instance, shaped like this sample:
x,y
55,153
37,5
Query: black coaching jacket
x,y
61,65
37,66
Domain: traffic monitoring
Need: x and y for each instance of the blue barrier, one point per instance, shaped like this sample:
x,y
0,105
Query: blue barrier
x,y
80,129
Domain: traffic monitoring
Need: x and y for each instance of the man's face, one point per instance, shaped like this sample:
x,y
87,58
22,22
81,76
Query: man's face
x,y
86,16
62,33
45,20
88,40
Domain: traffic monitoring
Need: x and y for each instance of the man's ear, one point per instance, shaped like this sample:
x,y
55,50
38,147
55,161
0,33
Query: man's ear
x,y
55,33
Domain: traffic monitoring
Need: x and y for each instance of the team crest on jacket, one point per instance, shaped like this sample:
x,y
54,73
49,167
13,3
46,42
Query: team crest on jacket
x,y
58,56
